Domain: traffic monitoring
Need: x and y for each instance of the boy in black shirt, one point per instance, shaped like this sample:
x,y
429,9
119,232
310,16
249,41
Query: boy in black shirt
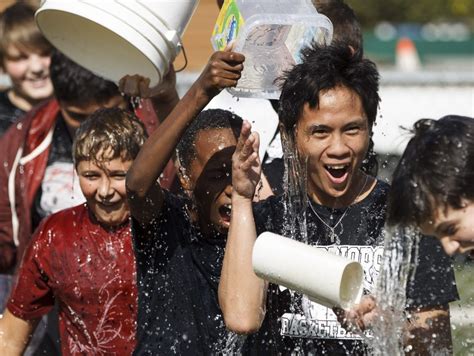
x,y
179,242
327,109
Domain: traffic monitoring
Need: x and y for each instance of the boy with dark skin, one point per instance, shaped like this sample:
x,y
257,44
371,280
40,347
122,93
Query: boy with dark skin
x,y
178,243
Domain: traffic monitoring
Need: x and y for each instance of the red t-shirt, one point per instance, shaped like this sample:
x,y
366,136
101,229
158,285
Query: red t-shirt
x,y
91,273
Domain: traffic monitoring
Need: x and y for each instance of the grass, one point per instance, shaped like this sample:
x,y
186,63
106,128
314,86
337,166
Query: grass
x,y
463,311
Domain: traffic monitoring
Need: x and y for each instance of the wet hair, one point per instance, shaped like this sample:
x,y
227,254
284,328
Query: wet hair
x,y
324,68
74,84
108,134
436,169
206,120
346,26
18,28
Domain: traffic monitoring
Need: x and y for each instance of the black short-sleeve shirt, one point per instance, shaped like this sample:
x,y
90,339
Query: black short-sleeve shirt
x,y
177,273
9,113
360,236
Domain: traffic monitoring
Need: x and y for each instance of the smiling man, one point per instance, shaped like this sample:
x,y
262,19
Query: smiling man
x,y
328,107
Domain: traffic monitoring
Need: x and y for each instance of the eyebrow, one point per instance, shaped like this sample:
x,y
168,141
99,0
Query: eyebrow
x,y
359,121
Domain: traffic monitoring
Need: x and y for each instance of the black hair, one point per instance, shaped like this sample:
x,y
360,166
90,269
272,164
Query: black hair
x,y
346,26
324,68
74,84
436,169
206,120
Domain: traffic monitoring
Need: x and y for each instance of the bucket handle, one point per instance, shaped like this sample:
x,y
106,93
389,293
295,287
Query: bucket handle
x,y
184,54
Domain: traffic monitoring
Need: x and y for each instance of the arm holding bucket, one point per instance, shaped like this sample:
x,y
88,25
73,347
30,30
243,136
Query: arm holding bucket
x,y
242,295
144,193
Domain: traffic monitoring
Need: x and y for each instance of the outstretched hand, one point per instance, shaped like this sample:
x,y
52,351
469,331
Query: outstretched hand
x,y
223,70
138,86
360,317
246,166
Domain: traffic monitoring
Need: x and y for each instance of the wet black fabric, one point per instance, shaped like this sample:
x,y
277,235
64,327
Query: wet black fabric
x,y
361,229
9,113
178,273
60,151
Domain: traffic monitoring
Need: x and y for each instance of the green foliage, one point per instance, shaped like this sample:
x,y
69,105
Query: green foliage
x,y
371,12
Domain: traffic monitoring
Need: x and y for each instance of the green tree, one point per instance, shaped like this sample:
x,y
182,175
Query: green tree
x,y
371,12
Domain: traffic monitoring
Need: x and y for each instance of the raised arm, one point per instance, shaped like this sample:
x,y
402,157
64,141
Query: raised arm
x,y
144,193
242,295
15,334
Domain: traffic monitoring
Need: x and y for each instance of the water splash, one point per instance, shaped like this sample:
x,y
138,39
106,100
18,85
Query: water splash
x,y
389,324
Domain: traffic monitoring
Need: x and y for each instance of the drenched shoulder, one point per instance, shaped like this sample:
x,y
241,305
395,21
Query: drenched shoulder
x,y
66,218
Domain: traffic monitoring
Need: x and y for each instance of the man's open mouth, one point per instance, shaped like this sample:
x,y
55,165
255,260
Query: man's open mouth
x,y
225,212
337,172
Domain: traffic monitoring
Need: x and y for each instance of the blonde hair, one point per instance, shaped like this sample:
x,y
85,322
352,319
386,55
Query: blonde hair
x,y
108,134
18,28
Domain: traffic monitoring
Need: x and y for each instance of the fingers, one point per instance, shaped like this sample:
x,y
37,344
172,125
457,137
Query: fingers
x,y
244,135
135,85
367,304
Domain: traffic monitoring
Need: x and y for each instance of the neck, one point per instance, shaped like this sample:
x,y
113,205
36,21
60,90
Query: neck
x,y
360,187
20,101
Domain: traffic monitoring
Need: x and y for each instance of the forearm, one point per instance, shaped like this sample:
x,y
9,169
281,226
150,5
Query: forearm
x,y
14,334
164,104
429,331
242,295
159,148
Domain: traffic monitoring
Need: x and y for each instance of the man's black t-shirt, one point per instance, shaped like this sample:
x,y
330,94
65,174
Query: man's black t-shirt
x,y
9,113
360,236
178,273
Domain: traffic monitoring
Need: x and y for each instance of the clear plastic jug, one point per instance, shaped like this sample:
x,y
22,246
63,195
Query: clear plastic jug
x,y
271,34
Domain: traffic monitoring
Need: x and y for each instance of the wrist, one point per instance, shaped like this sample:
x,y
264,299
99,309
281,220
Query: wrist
x,y
239,199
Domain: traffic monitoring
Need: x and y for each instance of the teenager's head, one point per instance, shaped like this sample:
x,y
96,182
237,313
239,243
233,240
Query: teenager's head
x,y
81,92
346,27
432,186
24,55
104,147
205,159
328,106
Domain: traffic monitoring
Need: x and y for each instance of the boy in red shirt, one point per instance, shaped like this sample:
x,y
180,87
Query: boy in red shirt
x,y
82,257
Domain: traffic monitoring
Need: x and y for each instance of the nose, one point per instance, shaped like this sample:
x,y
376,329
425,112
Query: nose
x,y
228,190
105,190
337,146
36,64
450,246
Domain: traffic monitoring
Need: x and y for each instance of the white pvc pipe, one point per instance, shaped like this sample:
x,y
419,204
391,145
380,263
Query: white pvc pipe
x,y
324,277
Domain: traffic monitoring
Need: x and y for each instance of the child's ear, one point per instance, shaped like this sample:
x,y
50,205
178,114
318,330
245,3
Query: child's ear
x,y
184,178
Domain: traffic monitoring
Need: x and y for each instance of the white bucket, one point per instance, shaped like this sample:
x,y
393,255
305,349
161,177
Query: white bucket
x,y
113,38
324,277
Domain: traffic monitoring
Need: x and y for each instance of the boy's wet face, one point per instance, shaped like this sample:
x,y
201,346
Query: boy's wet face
x,y
454,228
29,73
334,139
210,177
103,187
